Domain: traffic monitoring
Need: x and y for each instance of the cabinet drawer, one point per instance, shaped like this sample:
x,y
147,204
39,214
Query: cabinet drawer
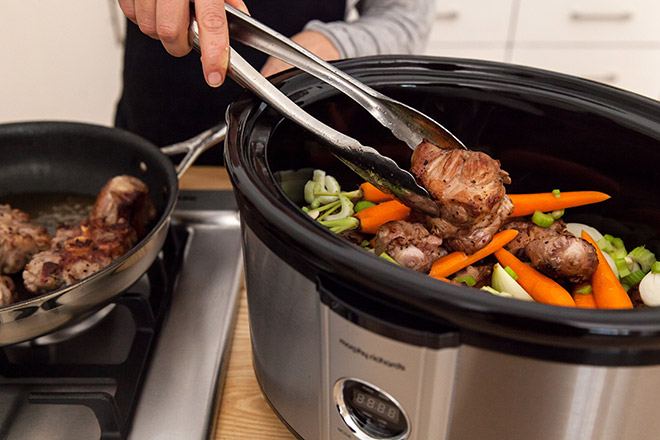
x,y
637,70
471,21
588,21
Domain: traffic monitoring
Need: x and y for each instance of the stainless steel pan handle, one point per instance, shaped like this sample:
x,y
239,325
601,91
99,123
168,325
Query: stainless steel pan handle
x,y
195,146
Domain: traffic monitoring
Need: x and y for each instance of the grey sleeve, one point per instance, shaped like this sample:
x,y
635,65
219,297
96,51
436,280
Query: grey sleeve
x,y
383,27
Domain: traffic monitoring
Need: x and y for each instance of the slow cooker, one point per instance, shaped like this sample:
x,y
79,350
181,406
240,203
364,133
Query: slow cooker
x,y
347,345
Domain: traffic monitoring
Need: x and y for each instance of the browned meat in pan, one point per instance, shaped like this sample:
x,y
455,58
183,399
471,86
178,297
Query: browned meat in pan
x,y
468,186
7,291
125,199
19,239
78,252
409,244
554,251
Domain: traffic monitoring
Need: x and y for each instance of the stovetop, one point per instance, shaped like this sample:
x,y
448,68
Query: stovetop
x,y
149,365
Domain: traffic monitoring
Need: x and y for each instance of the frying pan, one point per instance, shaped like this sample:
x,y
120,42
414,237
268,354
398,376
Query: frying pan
x,y
74,158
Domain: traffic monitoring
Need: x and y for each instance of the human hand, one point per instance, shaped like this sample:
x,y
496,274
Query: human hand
x,y
168,21
313,41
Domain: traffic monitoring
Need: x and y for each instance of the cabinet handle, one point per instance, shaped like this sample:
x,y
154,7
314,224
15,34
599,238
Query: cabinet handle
x,y
447,15
601,16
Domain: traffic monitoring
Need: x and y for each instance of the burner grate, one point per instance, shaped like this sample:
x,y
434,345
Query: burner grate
x,y
93,368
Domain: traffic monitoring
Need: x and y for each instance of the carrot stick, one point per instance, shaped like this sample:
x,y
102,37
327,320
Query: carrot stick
x,y
526,204
373,217
451,263
584,300
373,194
608,291
539,286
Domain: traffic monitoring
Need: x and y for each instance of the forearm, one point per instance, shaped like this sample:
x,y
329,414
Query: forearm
x,y
384,27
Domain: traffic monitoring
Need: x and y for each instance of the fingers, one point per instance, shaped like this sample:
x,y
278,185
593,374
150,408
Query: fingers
x,y
168,20
172,20
145,15
165,20
238,4
128,9
213,39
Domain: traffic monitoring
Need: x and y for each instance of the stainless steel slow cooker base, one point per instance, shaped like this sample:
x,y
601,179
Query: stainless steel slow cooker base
x,y
302,350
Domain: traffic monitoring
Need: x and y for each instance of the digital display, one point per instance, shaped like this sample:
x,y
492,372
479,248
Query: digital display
x,y
369,410
375,405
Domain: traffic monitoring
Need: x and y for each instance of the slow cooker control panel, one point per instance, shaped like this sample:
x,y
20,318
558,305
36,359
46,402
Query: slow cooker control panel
x,y
369,412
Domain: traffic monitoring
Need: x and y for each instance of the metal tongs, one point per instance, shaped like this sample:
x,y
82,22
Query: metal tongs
x,y
406,124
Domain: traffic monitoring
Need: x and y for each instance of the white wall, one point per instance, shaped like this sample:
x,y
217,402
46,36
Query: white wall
x,y
60,59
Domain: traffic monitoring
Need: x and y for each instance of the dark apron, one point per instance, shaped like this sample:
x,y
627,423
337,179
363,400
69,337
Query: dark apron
x,y
166,100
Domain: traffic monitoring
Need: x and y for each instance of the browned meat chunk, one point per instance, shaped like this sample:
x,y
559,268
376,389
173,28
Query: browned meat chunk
x,y
409,244
77,252
19,239
564,256
7,291
529,232
554,251
481,274
121,215
125,199
468,186
354,236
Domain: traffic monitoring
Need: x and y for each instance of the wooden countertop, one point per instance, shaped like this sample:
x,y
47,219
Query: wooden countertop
x,y
243,412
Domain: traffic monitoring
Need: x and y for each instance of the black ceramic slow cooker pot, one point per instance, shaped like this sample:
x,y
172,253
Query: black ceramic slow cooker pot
x,y
347,345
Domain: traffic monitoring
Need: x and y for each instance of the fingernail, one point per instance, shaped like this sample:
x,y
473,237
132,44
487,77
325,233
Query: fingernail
x,y
214,79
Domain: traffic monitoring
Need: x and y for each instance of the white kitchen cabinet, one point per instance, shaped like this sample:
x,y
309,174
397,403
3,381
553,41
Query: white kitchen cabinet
x,y
471,21
611,41
60,60
632,69
602,22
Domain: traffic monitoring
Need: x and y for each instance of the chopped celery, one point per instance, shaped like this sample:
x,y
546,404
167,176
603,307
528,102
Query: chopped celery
x,y
467,279
584,290
511,272
388,258
643,256
622,267
619,253
633,278
345,211
605,245
341,224
542,220
363,204
556,193
616,241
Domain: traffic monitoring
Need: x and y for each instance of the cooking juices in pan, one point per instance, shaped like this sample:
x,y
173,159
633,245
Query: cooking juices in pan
x,y
48,210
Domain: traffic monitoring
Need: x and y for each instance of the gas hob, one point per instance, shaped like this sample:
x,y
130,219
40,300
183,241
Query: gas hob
x,y
150,364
